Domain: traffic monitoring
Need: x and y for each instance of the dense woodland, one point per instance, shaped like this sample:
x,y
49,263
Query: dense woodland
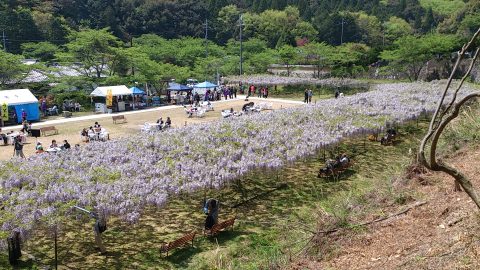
x,y
152,40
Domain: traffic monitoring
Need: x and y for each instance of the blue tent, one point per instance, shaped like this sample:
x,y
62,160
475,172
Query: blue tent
x,y
137,91
178,87
20,100
205,84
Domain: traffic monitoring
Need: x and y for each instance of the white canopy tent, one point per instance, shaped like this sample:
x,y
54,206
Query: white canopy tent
x,y
118,90
17,97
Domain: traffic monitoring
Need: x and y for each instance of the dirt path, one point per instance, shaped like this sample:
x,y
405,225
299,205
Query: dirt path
x,y
442,234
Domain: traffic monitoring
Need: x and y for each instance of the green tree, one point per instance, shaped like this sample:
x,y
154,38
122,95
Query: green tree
x,y
278,27
258,63
411,53
12,70
227,23
330,28
44,51
370,28
396,28
288,55
349,58
469,25
318,54
18,26
93,50
428,22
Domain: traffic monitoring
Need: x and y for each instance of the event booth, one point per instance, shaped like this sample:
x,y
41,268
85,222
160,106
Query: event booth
x,y
112,99
178,92
137,91
201,88
14,102
139,97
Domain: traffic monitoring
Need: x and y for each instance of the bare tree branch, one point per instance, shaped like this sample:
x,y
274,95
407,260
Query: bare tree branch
x,y
432,126
442,118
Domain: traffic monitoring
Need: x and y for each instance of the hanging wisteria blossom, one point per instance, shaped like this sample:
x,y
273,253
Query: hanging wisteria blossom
x,y
120,178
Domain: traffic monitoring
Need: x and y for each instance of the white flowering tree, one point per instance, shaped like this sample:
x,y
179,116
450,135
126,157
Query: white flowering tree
x,y
444,114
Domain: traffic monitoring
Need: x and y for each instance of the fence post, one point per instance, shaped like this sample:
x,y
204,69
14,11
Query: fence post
x,y
56,248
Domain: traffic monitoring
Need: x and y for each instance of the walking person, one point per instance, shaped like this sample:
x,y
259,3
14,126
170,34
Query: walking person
x,y
266,92
211,210
306,96
18,147
3,137
44,107
98,228
24,115
310,95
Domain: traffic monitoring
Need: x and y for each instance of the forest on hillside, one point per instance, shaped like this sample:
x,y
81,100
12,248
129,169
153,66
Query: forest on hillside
x,y
35,20
151,40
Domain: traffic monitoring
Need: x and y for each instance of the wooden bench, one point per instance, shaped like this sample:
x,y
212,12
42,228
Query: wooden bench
x,y
334,171
115,118
183,241
220,227
52,129
388,140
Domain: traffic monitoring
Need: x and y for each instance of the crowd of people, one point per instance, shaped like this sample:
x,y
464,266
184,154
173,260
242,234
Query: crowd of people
x,y
94,133
261,92
340,161
161,125
19,142
54,147
215,94
308,96
389,136
67,105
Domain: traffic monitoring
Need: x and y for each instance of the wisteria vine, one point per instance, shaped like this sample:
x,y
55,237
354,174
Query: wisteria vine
x,y
122,177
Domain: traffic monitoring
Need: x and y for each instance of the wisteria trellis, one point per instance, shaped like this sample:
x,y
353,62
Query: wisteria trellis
x,y
123,176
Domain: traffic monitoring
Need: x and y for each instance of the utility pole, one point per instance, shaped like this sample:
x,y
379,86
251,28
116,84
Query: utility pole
x,y
131,46
206,45
341,37
206,38
241,44
4,41
383,38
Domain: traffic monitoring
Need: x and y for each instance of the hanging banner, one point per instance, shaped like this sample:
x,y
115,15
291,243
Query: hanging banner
x,y
109,98
4,112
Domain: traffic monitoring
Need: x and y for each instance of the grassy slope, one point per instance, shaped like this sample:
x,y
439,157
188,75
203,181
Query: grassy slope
x,y
271,227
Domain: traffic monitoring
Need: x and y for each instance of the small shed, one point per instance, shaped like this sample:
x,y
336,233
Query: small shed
x,y
19,100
